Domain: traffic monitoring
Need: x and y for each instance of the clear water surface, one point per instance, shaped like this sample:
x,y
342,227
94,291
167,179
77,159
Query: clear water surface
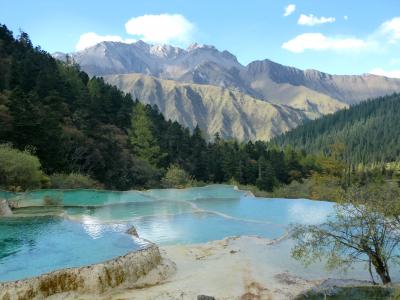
x,y
55,229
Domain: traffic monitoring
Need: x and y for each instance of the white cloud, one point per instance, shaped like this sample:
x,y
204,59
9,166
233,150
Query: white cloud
x,y
382,39
319,42
90,39
164,28
382,72
312,20
289,10
345,18
391,29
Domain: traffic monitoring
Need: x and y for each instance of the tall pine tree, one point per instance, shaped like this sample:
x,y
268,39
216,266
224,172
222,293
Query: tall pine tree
x,y
266,176
144,144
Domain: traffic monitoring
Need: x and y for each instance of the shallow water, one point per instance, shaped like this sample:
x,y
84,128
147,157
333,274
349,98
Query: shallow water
x,y
82,197
86,226
35,245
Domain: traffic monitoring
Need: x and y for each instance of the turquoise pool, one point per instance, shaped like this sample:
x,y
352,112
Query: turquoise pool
x,y
54,229
32,246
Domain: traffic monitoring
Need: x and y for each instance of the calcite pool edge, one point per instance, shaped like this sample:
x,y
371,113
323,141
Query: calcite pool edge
x,y
122,271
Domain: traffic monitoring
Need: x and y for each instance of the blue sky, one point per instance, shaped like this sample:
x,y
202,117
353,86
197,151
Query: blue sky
x,y
340,37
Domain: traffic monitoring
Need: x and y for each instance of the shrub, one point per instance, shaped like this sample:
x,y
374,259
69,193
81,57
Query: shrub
x,y
293,190
325,187
73,181
20,170
176,177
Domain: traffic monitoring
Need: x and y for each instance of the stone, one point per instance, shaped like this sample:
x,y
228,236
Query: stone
x,y
5,210
123,271
204,297
132,231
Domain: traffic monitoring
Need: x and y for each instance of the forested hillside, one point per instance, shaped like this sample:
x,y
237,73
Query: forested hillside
x,y
80,125
367,132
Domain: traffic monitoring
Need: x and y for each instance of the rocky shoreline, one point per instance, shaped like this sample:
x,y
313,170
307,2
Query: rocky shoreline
x,y
223,269
122,272
5,210
232,268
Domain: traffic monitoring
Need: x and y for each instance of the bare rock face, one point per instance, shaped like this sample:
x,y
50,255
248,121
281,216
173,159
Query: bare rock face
x,y
132,231
123,271
5,210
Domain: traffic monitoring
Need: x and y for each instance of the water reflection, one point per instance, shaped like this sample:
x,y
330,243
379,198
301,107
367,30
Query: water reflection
x,y
129,211
92,227
304,213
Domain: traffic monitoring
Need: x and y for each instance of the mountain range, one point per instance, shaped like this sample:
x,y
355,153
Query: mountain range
x,y
202,85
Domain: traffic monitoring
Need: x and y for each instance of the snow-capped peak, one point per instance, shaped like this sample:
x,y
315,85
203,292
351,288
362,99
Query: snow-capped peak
x,y
163,50
199,46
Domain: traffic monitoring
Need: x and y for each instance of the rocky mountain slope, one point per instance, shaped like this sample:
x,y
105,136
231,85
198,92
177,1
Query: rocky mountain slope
x,y
349,89
310,93
213,108
204,64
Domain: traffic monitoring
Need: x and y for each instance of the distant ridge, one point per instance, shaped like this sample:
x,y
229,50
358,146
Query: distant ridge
x,y
215,109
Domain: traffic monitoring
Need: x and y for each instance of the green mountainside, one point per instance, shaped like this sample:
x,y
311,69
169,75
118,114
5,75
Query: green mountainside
x,y
368,132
